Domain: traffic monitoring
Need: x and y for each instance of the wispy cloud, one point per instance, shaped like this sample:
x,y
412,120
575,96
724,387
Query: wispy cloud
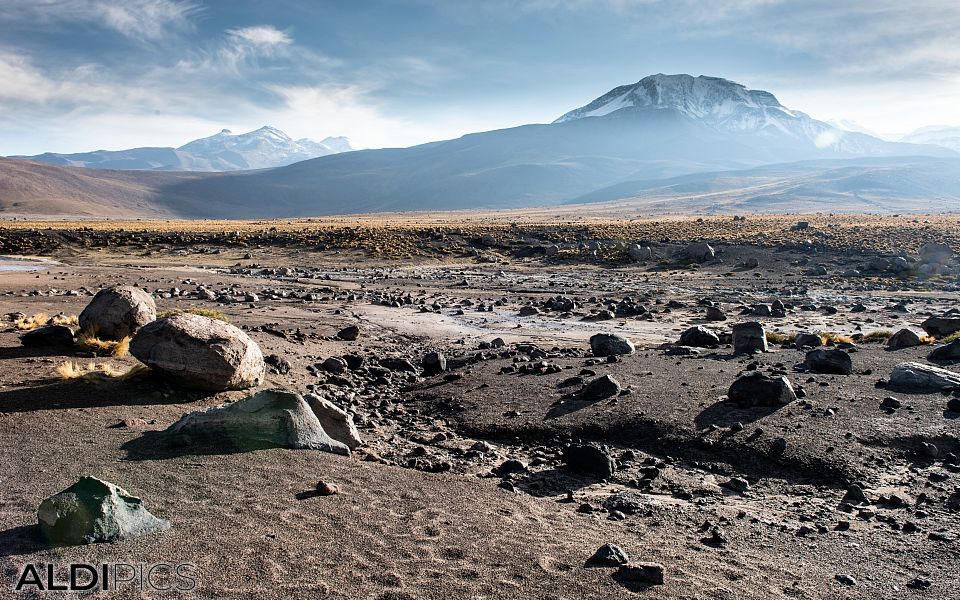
x,y
264,36
144,20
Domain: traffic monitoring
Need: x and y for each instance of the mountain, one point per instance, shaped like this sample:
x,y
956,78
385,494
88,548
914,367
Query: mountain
x,y
947,137
264,148
660,127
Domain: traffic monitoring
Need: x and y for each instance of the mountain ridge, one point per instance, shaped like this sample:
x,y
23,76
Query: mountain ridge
x,y
263,148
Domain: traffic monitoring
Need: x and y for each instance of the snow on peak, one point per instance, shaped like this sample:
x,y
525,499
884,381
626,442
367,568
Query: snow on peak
x,y
262,148
705,98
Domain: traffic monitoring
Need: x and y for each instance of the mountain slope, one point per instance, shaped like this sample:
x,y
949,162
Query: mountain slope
x,y
264,148
948,137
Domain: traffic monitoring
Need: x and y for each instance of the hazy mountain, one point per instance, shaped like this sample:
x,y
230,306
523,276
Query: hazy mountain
x,y
662,126
948,137
264,148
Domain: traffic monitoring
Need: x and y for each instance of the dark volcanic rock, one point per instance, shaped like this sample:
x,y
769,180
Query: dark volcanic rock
x,y
49,335
834,361
749,337
609,555
610,344
589,460
941,326
757,389
905,338
948,353
434,363
918,378
93,510
349,333
601,387
699,337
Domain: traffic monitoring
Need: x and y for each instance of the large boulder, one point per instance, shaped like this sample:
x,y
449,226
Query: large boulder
x,y
589,460
807,340
118,312
831,361
749,337
917,378
610,344
905,338
940,327
698,252
602,387
272,418
337,422
638,252
200,352
757,389
947,353
93,510
699,337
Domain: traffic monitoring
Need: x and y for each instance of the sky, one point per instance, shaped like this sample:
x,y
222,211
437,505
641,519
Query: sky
x,y
78,75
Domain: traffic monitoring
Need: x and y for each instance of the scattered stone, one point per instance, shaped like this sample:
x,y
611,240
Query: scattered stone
x,y
715,314
199,352
699,337
350,333
589,460
698,252
758,389
807,340
846,579
917,378
610,344
832,361
327,489
737,484
947,353
271,418
93,510
118,312
749,337
641,573
602,387
609,555
433,363
905,338
940,327
48,335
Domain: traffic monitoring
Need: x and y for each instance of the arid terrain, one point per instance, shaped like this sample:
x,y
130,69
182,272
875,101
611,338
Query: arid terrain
x,y
465,485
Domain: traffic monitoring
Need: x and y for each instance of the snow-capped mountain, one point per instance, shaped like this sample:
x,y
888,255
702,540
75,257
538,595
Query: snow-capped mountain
x,y
264,148
948,137
727,107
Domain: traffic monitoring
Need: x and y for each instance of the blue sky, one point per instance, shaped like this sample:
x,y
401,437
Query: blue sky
x,y
87,74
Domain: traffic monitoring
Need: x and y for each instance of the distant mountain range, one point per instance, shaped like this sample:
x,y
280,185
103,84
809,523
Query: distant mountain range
x,y
264,148
662,127
948,137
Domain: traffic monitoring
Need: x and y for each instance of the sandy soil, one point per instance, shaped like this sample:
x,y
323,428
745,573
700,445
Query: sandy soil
x,y
420,515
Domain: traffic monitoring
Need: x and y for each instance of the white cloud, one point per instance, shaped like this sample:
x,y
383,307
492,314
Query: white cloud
x,y
260,35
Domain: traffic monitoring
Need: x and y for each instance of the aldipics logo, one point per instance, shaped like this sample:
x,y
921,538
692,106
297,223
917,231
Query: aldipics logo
x,y
82,577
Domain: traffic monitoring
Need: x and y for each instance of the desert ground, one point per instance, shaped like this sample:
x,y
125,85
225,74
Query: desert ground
x,y
462,487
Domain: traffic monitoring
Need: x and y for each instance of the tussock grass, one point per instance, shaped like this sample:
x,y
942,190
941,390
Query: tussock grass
x,y
203,312
774,337
40,319
952,337
927,339
91,372
89,342
880,335
832,337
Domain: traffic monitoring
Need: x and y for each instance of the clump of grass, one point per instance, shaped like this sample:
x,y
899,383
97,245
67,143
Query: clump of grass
x,y
832,337
879,335
203,312
927,339
951,338
775,337
91,372
41,319
88,341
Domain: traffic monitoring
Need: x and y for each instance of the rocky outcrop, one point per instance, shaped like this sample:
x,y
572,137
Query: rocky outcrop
x,y
918,378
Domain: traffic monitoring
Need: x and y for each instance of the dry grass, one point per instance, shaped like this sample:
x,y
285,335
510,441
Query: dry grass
x,y
92,372
41,319
203,312
880,335
89,342
832,337
774,337
951,338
